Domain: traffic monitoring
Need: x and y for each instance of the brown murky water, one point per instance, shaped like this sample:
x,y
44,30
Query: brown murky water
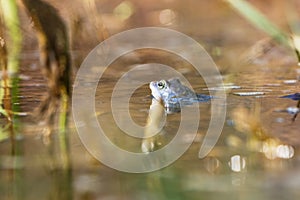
x,y
256,157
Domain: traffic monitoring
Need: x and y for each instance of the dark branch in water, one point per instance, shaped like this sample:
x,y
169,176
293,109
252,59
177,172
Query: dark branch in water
x,y
56,65
54,52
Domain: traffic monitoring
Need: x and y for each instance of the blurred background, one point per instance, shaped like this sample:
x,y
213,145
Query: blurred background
x,y
257,155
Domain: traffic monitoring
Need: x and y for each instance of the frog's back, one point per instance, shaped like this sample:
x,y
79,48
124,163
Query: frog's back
x,y
179,90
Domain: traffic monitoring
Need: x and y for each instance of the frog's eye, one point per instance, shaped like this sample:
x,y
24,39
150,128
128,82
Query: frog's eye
x,y
161,84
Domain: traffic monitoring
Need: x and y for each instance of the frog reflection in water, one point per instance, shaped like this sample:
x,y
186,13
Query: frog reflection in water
x,y
173,94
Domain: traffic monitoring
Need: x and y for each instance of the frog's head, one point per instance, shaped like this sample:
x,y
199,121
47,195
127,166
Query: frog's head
x,y
159,89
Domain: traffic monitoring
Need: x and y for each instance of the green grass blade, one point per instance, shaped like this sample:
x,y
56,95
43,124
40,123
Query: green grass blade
x,y
11,19
260,21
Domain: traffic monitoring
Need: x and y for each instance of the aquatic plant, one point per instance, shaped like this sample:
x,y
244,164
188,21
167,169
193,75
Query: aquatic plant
x,y
56,66
260,21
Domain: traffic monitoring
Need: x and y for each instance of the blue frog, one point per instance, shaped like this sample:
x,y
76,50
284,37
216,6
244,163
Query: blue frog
x,y
174,94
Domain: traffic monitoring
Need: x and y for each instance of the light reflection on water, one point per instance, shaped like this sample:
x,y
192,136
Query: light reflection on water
x,y
245,161
237,163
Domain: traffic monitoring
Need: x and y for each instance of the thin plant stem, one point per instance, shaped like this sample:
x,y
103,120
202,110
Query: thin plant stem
x,y
63,133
